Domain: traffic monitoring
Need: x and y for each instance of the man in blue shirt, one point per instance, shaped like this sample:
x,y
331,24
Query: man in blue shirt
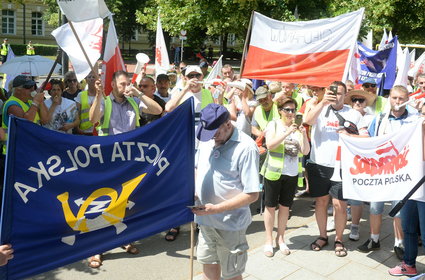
x,y
226,183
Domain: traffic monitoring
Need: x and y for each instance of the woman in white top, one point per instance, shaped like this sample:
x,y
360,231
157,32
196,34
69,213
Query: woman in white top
x,y
63,112
241,105
281,173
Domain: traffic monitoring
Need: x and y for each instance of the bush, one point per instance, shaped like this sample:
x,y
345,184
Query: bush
x,y
40,49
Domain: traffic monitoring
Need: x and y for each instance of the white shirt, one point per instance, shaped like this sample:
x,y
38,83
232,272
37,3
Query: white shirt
x,y
66,112
324,135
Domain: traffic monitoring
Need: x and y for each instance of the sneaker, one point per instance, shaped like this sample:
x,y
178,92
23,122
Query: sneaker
x,y
331,225
354,233
403,269
330,210
399,252
369,245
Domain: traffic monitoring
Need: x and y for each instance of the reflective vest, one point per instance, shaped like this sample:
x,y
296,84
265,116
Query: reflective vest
x,y
85,110
30,50
380,104
299,99
260,116
273,165
25,107
3,50
103,129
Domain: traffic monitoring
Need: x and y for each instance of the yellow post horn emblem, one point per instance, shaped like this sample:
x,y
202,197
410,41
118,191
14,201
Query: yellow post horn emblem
x,y
112,215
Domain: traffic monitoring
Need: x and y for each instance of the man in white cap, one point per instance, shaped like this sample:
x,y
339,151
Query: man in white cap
x,y
226,183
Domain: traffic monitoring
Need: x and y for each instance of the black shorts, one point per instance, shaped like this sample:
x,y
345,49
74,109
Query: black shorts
x,y
281,191
320,184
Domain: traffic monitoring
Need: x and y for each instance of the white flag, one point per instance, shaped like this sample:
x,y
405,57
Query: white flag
x,y
384,40
162,62
403,68
418,67
90,33
368,41
82,10
382,168
215,72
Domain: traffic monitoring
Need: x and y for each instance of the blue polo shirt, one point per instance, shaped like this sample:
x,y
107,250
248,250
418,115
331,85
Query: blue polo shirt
x,y
224,172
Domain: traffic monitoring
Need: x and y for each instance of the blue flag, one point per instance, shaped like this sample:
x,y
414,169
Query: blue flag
x,y
68,197
375,64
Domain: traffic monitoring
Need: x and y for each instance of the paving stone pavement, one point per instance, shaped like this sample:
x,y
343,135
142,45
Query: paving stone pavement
x,y
170,260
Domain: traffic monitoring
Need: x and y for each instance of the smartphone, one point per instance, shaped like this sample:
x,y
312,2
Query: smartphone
x,y
195,207
298,119
334,89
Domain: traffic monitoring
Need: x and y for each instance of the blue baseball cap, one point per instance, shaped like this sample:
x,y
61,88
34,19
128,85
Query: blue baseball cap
x,y
212,116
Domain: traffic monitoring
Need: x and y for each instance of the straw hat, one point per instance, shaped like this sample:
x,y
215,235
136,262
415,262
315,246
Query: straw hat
x,y
370,97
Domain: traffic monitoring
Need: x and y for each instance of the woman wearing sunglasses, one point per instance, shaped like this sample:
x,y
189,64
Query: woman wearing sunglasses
x,y
285,141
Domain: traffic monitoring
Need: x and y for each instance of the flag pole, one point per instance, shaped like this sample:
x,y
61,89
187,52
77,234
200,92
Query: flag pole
x,y
245,48
192,238
82,48
52,69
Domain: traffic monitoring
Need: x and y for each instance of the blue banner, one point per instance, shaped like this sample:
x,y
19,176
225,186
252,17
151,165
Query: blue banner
x,y
376,64
68,197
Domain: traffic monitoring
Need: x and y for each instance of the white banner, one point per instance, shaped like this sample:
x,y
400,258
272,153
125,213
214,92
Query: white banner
x,y
82,10
90,33
383,168
162,62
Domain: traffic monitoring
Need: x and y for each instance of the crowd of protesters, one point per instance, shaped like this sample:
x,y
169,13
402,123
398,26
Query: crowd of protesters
x,y
295,133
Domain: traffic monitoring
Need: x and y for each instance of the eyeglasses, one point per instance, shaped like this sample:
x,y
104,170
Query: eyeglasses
x,y
360,100
143,86
28,86
71,81
369,85
287,110
197,75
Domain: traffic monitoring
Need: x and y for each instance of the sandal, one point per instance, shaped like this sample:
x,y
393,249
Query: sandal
x,y
340,250
172,234
283,247
268,250
131,249
95,261
316,246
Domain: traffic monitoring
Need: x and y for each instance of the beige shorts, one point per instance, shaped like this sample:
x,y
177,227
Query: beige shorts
x,y
227,248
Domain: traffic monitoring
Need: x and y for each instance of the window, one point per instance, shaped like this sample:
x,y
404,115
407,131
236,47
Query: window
x,y
37,24
231,39
8,22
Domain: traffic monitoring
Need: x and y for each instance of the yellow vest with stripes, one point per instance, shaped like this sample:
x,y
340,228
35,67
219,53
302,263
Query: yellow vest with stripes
x,y
25,107
103,129
85,110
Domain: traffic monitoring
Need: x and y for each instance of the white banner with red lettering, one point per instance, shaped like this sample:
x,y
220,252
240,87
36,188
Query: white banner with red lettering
x,y
315,52
383,168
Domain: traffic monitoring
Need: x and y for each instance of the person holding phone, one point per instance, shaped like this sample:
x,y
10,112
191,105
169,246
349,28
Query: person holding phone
x,y
285,140
324,144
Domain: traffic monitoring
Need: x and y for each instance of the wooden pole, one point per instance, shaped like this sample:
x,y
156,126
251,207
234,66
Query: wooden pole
x,y
192,241
52,69
245,48
82,48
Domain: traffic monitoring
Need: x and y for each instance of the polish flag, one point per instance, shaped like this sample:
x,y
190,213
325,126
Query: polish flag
x,y
162,62
112,57
314,52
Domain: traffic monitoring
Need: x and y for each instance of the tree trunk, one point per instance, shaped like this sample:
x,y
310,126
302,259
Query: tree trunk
x,y
224,44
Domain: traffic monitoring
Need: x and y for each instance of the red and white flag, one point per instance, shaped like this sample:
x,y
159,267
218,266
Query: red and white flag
x,y
315,52
82,10
215,72
418,66
112,57
383,168
162,62
90,33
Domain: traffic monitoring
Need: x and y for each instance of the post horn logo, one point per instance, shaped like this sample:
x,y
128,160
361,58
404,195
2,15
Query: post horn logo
x,y
113,215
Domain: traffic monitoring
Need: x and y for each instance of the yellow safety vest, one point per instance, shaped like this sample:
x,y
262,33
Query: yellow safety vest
x,y
30,50
380,104
103,129
25,107
260,116
4,49
85,110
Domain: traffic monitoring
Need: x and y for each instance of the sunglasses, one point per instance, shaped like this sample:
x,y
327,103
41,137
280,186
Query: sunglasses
x,y
287,110
421,83
71,81
360,100
191,76
369,86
